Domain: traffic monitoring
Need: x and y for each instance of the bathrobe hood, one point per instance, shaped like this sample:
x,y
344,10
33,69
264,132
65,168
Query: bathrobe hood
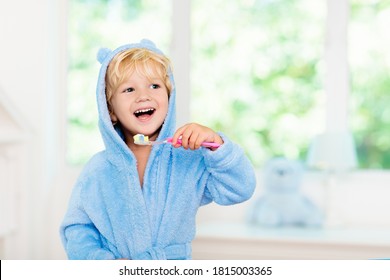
x,y
112,136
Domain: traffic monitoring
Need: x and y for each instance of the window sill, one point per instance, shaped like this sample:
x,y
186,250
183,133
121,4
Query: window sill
x,y
243,241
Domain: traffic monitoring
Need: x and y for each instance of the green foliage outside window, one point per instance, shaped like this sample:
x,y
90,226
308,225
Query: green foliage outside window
x,y
369,48
256,71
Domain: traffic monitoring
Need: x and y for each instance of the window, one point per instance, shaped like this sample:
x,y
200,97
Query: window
x,y
257,70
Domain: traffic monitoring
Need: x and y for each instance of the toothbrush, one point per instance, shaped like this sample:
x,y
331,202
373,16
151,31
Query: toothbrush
x,y
141,139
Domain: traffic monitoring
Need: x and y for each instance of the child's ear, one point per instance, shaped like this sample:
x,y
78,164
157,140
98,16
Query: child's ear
x,y
113,118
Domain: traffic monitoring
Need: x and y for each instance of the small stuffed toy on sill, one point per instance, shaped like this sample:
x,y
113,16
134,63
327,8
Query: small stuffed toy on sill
x,y
283,203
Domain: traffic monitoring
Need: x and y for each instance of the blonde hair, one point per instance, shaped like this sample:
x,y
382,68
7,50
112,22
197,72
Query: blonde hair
x,y
144,62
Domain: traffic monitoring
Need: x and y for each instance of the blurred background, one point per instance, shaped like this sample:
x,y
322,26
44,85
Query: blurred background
x,y
274,75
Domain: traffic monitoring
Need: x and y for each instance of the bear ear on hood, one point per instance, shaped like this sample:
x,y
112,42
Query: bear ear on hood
x,y
147,43
102,54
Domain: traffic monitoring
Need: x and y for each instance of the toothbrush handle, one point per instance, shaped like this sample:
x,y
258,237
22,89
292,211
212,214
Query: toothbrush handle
x,y
204,144
210,145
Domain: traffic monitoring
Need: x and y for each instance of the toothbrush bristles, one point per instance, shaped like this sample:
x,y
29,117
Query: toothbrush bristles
x,y
141,139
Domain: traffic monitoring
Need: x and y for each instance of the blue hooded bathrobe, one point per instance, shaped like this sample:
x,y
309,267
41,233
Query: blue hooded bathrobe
x,y
110,216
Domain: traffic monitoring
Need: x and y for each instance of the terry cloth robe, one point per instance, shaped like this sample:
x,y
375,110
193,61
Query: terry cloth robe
x,y
111,216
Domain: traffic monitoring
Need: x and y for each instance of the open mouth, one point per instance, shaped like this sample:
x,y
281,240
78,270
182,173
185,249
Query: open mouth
x,y
144,112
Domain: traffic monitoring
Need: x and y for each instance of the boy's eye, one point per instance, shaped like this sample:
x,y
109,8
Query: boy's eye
x,y
154,86
129,90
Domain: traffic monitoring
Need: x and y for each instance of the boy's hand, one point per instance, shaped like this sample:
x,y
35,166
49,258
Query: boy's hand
x,y
193,135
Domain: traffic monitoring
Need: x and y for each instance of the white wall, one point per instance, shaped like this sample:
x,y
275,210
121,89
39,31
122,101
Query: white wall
x,y
32,63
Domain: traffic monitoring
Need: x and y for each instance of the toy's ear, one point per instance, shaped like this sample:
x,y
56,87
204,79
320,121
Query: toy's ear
x,y
102,54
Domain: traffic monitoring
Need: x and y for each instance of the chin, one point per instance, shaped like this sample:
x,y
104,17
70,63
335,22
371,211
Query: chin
x,y
151,132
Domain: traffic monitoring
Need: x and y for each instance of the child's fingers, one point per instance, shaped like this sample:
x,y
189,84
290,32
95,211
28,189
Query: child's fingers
x,y
186,137
177,135
193,135
195,140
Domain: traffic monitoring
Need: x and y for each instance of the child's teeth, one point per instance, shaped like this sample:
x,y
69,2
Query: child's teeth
x,y
143,111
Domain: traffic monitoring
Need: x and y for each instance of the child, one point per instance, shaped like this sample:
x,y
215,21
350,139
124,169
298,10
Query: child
x,y
140,202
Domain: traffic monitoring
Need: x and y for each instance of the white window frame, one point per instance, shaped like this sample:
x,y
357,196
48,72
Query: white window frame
x,y
336,60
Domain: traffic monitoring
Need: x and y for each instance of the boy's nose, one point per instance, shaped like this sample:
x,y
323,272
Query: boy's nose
x,y
143,95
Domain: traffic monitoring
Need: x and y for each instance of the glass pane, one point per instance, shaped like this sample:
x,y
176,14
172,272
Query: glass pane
x,y
103,23
256,73
369,50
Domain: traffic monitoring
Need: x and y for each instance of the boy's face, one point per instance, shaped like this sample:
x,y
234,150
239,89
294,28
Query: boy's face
x,y
140,105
